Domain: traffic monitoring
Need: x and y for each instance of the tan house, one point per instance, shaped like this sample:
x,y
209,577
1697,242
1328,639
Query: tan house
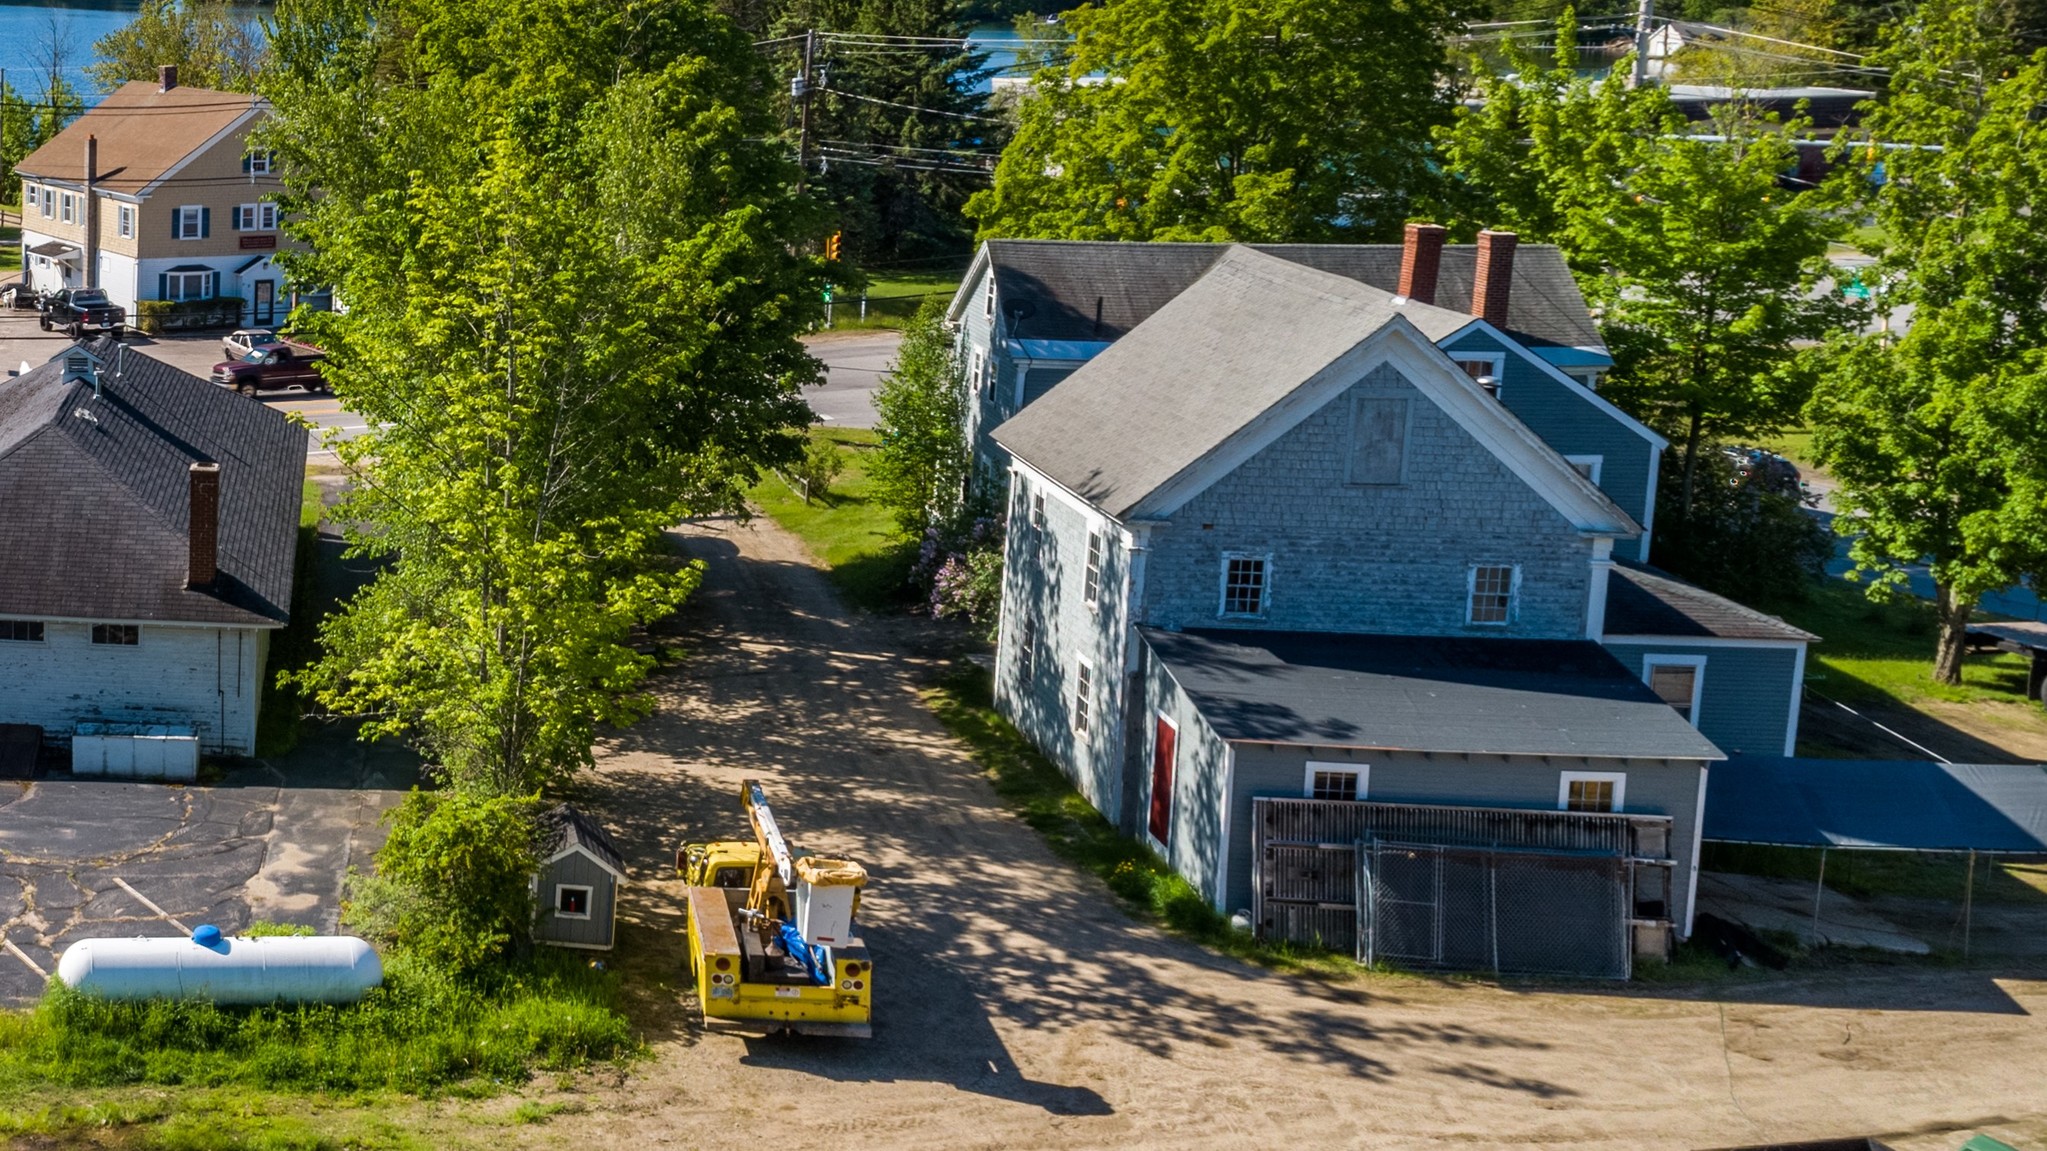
x,y
154,195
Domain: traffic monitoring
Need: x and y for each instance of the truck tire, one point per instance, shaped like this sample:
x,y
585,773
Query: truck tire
x,y
77,330
248,390
44,321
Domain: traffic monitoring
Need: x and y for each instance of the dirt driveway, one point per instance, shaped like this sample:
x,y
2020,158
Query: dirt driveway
x,y
1016,1007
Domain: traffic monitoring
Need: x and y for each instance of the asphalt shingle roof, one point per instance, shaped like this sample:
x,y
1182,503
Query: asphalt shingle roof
x,y
95,495
143,133
1097,290
1423,693
1641,601
563,827
1221,355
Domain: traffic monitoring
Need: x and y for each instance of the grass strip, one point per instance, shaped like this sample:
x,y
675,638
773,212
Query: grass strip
x,y
1038,792
866,556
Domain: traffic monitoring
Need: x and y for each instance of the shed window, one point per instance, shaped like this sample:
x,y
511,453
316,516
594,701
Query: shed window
x,y
116,634
1245,581
571,901
1083,691
1378,441
1344,781
1676,680
1091,576
1592,791
1492,588
21,630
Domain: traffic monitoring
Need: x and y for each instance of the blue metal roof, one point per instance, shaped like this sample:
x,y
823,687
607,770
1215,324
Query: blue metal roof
x,y
1900,805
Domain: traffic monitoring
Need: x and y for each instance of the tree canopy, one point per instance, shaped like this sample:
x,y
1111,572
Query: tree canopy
x,y
567,245
920,470
1935,435
212,43
1257,120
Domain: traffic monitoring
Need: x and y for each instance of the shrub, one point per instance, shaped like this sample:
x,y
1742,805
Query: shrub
x,y
1747,537
451,886
820,467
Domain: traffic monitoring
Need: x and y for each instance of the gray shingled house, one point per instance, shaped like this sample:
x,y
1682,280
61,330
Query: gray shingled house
x,y
576,889
1275,543
148,530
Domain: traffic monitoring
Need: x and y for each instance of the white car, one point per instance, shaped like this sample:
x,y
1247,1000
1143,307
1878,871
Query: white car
x,y
242,341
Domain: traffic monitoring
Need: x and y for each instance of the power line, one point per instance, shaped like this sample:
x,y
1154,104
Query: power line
x,y
911,107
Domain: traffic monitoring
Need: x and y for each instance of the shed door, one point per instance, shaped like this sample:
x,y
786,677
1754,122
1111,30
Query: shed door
x,y
1162,780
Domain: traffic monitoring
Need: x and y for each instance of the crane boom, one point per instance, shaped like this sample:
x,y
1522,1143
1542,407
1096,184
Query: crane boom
x,y
767,834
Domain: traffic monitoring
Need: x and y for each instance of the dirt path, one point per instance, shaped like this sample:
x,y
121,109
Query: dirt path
x,y
1016,1007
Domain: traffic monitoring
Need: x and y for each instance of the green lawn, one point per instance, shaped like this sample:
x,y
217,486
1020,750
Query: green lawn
x,y
1881,652
893,297
10,249
867,557
1794,444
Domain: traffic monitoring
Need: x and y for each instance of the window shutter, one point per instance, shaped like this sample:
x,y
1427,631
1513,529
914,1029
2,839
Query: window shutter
x,y
205,222
213,285
177,222
248,163
235,218
163,285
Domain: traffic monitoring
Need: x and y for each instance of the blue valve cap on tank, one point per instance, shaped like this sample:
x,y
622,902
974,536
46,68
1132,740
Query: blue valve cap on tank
x,y
206,935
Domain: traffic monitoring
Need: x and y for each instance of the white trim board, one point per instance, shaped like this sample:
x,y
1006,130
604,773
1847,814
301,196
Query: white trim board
x,y
1601,402
1619,779
1431,374
1797,704
1362,770
1653,660
579,849
1698,641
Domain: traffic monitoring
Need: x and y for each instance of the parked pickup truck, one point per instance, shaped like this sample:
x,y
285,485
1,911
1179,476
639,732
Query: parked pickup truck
x,y
81,310
273,368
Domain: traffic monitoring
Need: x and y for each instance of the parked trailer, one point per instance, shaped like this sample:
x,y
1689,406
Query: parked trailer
x,y
222,969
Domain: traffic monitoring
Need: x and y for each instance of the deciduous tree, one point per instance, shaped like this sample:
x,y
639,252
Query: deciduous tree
x,y
566,245
1261,120
920,469
213,45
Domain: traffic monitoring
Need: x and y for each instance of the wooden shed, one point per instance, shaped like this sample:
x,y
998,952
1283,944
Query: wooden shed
x,y
576,890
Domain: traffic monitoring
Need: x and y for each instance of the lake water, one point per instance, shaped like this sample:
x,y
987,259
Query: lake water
x,y
28,28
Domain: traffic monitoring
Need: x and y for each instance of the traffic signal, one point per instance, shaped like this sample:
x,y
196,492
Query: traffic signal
x,y
831,246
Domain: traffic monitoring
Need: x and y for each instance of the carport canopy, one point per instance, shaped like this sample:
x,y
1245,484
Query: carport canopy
x,y
1898,805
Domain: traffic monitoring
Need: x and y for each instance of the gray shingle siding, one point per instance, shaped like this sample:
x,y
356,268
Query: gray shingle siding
x,y
1575,426
1043,576
1194,841
1656,788
576,869
1745,704
1391,559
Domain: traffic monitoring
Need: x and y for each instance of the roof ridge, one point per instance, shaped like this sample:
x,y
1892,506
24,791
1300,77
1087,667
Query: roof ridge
x,y
1655,573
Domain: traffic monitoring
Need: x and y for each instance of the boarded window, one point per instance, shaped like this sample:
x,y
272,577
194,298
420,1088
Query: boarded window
x,y
1244,584
21,630
1160,818
1378,441
116,634
1091,578
1492,593
1675,684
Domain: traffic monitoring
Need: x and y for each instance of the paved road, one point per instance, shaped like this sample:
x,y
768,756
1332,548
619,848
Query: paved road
x,y
854,364
1018,1007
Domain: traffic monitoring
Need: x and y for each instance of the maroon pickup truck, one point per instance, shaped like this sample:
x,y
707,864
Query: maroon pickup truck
x,y
273,368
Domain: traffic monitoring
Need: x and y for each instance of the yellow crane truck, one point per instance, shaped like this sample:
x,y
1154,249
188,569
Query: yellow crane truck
x,y
772,945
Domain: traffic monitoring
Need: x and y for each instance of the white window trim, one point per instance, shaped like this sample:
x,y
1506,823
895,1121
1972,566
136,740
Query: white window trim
x,y
1038,511
124,221
175,283
1222,587
1498,360
1595,462
1096,550
1619,779
67,207
1151,775
197,215
259,163
1698,665
1471,595
589,898
1027,648
1363,771
1083,690
988,308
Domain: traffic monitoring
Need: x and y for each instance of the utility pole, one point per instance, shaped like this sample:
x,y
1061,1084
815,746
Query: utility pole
x,y
1644,11
802,94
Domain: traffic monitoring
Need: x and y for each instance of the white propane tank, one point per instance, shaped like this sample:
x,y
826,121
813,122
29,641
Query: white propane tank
x,y
211,966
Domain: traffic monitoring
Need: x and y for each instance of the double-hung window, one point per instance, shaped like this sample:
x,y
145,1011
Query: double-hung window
x,y
49,202
256,218
988,307
1491,590
1247,581
124,221
191,223
68,208
1091,576
259,163
1083,694
1037,512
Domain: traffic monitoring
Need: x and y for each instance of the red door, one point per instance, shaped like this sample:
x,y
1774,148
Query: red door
x,y
1162,780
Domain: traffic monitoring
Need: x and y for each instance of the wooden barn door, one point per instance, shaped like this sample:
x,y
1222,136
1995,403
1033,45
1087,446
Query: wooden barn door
x,y
1162,748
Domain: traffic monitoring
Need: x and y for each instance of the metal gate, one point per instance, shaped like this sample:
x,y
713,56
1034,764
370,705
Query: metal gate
x,y
1492,889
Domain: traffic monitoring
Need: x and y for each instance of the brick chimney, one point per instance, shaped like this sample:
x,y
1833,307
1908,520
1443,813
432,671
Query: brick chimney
x,y
203,532
1421,257
166,77
1492,283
